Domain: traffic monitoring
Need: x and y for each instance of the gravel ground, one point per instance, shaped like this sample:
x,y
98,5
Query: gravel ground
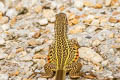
x,y
27,30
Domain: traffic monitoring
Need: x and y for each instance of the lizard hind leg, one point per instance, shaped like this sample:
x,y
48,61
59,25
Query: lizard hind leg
x,y
74,70
48,71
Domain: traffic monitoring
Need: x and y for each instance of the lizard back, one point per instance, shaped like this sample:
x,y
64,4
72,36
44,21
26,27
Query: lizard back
x,y
63,51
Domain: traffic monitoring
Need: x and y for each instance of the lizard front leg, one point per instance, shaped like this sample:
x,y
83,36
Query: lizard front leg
x,y
49,68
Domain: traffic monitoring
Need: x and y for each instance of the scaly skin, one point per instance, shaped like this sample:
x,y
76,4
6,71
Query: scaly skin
x,y
63,53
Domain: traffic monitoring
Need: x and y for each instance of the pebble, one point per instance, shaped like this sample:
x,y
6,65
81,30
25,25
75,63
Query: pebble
x,y
39,56
117,40
90,17
115,46
12,21
53,5
112,20
87,21
52,19
91,29
38,9
2,7
41,79
88,4
76,30
117,61
15,73
95,22
4,76
43,21
3,55
26,57
2,41
108,2
115,2
32,42
103,34
73,21
96,43
24,65
5,27
19,49
62,8
4,20
104,63
11,12
117,75
40,62
115,13
86,68
98,6
93,56
78,4
1,14
111,35
47,13
37,34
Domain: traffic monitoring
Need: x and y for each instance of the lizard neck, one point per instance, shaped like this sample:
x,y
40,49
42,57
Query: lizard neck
x,y
59,34
60,75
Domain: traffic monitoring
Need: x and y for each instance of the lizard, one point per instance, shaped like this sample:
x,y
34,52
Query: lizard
x,y
63,53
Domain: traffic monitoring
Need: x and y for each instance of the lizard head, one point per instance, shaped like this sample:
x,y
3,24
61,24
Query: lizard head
x,y
61,22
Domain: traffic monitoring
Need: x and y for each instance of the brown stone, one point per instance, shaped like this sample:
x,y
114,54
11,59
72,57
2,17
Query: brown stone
x,y
13,21
19,49
98,6
37,34
38,9
32,42
3,20
112,20
39,56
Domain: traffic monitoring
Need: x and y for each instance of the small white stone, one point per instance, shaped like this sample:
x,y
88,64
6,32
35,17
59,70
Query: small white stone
x,y
53,5
117,61
43,21
3,76
5,27
104,63
48,14
78,4
91,17
86,68
52,19
117,74
107,2
40,62
3,55
90,55
11,12
2,7
41,79
34,2
96,43
59,2
2,41
26,57
91,29
95,22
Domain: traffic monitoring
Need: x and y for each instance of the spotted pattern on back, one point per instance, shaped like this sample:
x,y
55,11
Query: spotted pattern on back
x,y
63,52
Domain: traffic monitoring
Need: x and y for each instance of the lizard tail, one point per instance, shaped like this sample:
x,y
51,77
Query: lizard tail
x,y
60,75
